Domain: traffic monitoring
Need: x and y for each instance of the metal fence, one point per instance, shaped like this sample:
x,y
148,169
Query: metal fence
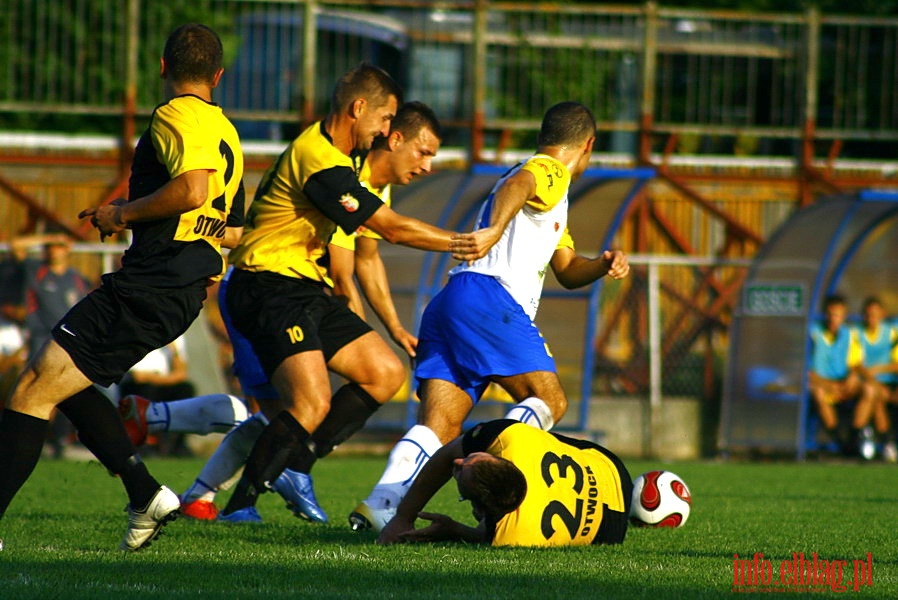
x,y
720,81
638,309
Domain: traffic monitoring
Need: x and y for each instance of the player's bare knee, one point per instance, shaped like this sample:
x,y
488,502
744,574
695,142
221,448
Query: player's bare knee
x,y
558,406
384,379
310,413
446,429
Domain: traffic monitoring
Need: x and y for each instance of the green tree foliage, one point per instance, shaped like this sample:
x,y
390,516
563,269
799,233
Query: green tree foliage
x,y
68,53
869,8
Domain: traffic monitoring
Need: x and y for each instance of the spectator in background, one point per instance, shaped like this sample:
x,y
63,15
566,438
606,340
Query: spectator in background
x,y
162,376
834,380
879,370
51,287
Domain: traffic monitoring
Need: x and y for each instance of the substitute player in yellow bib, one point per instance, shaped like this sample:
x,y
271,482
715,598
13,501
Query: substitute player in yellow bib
x,y
527,487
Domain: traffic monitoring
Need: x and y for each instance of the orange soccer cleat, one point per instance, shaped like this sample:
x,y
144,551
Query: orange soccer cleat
x,y
133,410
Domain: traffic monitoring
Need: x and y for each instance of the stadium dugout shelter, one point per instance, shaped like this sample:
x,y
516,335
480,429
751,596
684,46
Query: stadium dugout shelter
x,y
569,319
840,244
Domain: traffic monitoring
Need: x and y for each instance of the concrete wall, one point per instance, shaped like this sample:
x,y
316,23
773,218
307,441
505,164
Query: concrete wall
x,y
626,426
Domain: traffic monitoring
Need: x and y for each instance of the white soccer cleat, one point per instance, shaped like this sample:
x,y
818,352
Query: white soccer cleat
x,y
144,526
365,517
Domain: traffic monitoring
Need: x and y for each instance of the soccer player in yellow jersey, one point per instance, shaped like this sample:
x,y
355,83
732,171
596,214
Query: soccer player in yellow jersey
x,y
278,293
406,153
479,329
527,487
185,203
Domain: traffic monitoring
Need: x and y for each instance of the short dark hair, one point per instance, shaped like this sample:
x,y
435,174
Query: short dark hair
x,y
193,53
870,301
410,119
566,123
364,81
834,300
497,487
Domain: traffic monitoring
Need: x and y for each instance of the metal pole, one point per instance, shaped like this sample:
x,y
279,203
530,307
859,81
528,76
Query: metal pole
x,y
810,103
309,57
649,67
132,24
654,357
479,79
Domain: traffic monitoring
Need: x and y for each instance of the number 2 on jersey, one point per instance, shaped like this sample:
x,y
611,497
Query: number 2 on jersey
x,y
569,473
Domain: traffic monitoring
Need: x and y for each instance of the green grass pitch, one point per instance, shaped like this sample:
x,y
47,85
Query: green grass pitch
x,y
62,531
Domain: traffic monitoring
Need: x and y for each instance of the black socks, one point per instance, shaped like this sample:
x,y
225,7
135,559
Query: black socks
x,y
283,438
351,407
21,441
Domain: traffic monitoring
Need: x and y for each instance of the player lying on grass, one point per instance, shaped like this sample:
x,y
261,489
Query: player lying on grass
x,y
527,487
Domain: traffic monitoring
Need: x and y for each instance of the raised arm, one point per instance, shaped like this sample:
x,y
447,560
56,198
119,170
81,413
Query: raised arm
x,y
573,270
408,231
184,193
508,200
432,477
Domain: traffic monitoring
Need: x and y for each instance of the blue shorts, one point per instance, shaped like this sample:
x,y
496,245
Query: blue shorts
x,y
253,380
474,330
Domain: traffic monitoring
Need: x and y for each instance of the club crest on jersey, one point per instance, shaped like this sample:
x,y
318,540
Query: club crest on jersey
x,y
349,202
557,225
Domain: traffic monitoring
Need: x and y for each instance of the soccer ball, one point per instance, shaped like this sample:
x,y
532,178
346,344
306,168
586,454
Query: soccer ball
x,y
660,499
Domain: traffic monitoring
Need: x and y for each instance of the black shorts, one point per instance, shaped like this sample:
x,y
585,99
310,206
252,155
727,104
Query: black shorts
x,y
117,324
282,316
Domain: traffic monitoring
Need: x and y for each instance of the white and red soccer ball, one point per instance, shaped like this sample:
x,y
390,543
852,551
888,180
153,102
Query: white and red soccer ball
x,y
660,499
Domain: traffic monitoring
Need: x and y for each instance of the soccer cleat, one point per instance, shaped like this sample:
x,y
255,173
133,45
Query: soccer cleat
x,y
241,515
890,452
202,510
296,489
365,517
133,410
866,447
145,525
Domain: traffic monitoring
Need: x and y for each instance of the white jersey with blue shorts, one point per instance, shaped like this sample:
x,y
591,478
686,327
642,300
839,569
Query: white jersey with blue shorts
x,y
481,323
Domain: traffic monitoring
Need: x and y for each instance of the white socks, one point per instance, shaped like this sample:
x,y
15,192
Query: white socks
x,y
203,414
532,411
226,463
416,447
406,459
